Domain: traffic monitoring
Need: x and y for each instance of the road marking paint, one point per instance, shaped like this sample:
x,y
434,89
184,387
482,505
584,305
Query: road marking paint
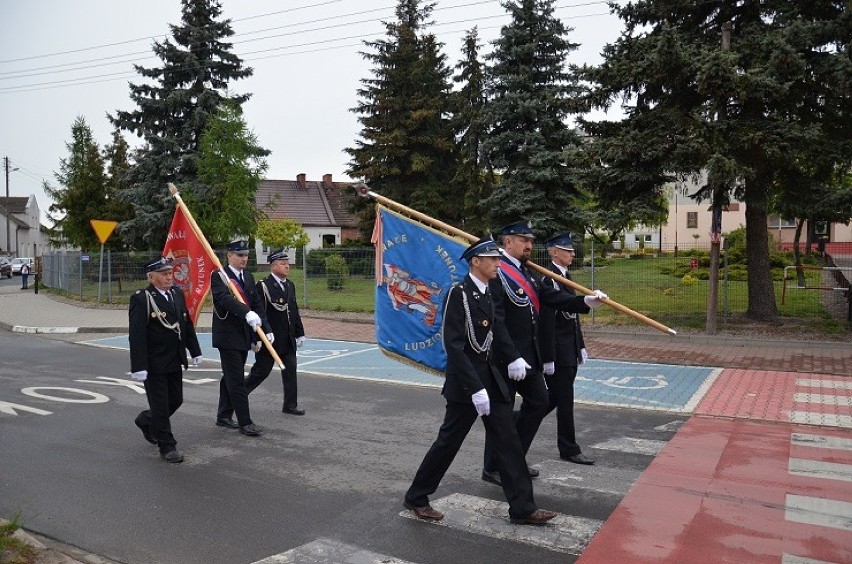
x,y
330,551
94,397
817,511
669,427
792,559
836,384
9,409
565,533
823,399
633,446
824,419
556,475
337,356
821,441
690,405
819,469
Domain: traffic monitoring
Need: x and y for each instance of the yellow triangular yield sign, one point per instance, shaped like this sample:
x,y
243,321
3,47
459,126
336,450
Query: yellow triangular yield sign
x,y
103,229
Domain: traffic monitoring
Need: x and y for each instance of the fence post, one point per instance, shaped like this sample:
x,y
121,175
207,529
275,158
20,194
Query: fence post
x,y
305,275
593,274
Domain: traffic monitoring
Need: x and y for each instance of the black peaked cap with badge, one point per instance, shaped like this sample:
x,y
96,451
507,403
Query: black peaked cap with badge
x,y
485,247
239,246
521,228
562,241
157,264
277,255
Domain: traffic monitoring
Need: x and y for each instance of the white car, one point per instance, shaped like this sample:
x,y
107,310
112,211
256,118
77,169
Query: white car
x,y
18,262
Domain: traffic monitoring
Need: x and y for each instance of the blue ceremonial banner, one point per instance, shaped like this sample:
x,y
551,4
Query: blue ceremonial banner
x,y
415,268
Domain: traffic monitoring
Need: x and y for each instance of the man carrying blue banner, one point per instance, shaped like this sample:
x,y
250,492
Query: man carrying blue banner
x,y
523,293
476,386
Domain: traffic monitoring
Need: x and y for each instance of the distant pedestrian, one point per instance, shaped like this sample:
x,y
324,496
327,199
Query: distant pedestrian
x,y
562,351
25,274
161,331
234,334
278,295
476,387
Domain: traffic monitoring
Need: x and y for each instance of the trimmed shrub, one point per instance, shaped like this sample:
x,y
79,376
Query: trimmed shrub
x,y
336,271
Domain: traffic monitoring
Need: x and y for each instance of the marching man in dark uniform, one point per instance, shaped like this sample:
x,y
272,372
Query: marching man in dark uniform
x,y
562,350
476,387
161,331
234,335
279,300
523,295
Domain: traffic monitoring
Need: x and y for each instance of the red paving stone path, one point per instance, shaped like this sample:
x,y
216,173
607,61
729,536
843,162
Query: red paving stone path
x,y
722,491
722,351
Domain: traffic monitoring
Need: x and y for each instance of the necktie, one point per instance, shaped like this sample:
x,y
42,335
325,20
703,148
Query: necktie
x,y
242,282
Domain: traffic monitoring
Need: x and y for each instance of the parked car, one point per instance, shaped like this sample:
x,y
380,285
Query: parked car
x,y
5,268
18,262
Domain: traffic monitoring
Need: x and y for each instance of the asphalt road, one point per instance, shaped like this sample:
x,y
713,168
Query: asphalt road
x,y
78,470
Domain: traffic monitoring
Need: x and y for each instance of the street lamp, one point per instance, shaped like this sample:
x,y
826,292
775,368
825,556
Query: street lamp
x,y
8,220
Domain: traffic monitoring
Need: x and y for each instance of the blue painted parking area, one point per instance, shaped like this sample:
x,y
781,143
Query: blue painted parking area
x,y
602,382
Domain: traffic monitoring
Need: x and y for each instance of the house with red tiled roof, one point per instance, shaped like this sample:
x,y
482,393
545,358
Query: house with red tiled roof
x,y
320,206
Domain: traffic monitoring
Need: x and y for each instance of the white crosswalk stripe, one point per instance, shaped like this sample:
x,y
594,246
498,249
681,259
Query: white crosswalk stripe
x,y
565,533
329,551
633,446
824,419
557,476
791,559
819,469
823,399
834,384
818,511
821,441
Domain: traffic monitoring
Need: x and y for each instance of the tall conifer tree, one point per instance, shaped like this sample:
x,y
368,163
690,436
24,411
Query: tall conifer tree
x,y
406,145
173,109
530,99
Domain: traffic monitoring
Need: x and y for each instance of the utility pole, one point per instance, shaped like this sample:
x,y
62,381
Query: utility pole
x,y
716,215
6,206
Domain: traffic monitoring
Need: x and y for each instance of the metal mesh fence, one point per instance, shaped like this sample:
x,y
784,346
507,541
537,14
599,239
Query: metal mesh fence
x,y
669,287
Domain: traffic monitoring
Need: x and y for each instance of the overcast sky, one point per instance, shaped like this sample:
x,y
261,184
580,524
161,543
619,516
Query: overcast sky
x,y
60,60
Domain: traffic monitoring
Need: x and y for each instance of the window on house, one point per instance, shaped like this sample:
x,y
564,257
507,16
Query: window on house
x,y
329,240
692,220
647,238
821,228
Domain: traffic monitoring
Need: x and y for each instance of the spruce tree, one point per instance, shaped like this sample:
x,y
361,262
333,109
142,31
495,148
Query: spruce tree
x,y
116,155
741,114
530,99
406,145
81,193
173,108
474,177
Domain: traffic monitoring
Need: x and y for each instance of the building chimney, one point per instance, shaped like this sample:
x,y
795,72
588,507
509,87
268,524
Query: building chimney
x,y
326,181
300,179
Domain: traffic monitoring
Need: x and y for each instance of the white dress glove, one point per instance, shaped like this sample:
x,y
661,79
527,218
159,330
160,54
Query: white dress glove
x,y
140,376
594,300
196,361
270,337
518,369
300,341
253,319
256,346
584,356
550,367
481,402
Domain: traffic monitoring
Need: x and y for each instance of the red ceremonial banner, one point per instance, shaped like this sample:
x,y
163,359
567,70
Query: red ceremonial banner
x,y
191,264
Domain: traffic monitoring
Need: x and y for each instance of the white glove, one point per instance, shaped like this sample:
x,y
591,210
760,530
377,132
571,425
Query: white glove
x,y
270,337
196,361
481,402
300,341
550,367
584,356
594,300
140,376
253,319
255,346
518,369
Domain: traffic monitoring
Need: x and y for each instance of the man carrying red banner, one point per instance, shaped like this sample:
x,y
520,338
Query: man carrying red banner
x,y
192,264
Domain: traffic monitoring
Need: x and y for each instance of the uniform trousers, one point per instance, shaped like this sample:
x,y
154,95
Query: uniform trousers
x,y
165,396
233,395
528,418
509,456
560,385
263,363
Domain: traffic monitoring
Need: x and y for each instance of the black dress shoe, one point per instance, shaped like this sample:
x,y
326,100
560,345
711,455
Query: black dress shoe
x,y
229,423
172,456
146,432
251,430
578,459
426,512
533,472
493,477
293,410
537,517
